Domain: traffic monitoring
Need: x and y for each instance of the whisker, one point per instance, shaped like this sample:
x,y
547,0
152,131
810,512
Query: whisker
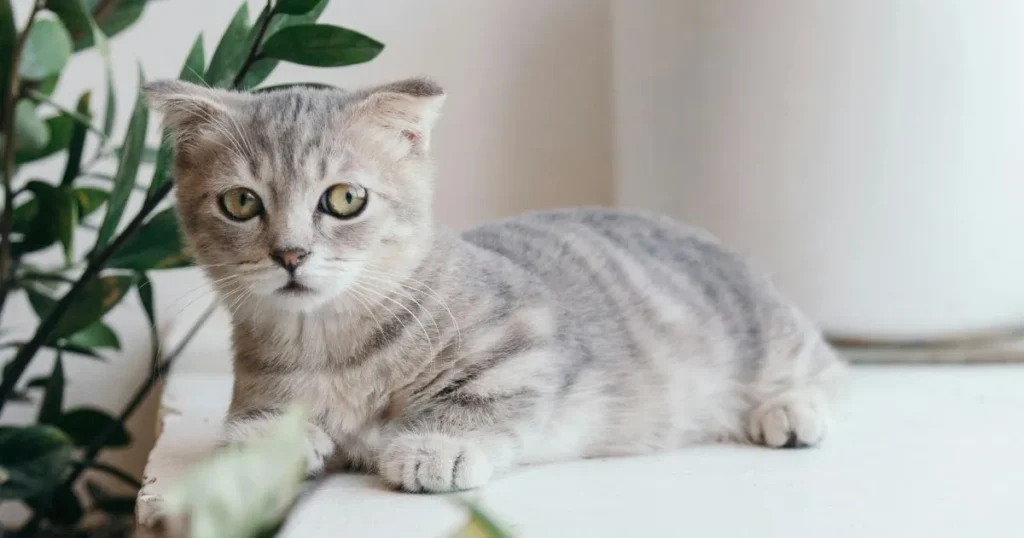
x,y
437,297
369,289
411,298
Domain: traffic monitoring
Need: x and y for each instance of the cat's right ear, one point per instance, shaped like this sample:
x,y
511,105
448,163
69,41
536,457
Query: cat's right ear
x,y
190,111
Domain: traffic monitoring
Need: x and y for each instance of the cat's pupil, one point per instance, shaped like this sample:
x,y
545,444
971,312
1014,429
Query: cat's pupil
x,y
348,197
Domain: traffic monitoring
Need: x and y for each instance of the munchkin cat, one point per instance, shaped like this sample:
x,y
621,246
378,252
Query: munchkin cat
x,y
440,360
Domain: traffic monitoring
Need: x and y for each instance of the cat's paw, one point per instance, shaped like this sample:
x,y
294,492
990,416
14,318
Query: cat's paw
x,y
319,446
792,421
434,463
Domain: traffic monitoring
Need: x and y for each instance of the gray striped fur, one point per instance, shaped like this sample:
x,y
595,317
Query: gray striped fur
x,y
440,360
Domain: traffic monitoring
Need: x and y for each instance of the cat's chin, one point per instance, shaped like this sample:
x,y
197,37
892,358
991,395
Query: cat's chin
x,y
298,299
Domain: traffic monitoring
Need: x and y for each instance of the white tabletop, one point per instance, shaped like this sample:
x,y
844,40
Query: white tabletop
x,y
929,451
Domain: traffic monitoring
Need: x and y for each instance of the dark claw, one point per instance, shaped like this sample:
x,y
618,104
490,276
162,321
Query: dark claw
x,y
793,442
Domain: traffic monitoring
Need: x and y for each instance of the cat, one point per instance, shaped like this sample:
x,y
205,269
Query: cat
x,y
441,360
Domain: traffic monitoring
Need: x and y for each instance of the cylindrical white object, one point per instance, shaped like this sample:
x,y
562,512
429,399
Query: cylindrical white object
x,y
869,154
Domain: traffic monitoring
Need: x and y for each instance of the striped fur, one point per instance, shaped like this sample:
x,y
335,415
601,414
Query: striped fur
x,y
439,360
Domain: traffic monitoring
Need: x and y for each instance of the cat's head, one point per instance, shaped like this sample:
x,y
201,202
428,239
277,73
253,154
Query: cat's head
x,y
287,196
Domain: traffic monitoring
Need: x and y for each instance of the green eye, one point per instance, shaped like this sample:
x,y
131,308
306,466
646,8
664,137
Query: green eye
x,y
343,200
240,203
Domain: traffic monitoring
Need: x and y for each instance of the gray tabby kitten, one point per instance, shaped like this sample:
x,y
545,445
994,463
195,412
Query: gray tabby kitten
x,y
441,360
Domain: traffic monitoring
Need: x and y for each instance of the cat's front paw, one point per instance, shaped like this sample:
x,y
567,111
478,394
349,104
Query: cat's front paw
x,y
793,421
434,463
319,446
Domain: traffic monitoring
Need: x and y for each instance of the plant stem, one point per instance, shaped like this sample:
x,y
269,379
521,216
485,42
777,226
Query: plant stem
x,y
254,51
84,120
43,333
7,218
110,470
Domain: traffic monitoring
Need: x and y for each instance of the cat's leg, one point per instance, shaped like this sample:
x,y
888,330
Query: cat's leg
x,y
471,430
793,393
246,427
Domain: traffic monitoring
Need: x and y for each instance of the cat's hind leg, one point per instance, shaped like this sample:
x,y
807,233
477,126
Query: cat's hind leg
x,y
792,395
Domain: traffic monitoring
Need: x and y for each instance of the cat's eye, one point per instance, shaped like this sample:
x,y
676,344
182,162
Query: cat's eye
x,y
343,200
240,203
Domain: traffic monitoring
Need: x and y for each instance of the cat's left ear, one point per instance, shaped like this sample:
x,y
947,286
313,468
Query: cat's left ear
x,y
407,109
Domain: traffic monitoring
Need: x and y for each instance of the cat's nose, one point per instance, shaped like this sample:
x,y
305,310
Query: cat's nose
x,y
289,258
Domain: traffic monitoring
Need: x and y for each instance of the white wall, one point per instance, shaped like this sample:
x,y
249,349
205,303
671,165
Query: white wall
x,y
527,125
868,153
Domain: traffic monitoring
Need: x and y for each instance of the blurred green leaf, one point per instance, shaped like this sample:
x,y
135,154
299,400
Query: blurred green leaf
x,y
111,17
242,492
77,143
30,133
76,19
67,221
84,424
321,45
33,459
480,525
47,49
195,62
60,128
149,155
110,108
45,86
296,7
53,398
127,168
8,38
98,297
230,51
311,85
96,335
64,508
89,200
34,219
157,245
78,350
145,289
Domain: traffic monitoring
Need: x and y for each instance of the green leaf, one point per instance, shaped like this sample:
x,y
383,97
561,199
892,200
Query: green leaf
x,y
321,45
67,221
258,501
8,37
34,219
47,49
62,507
296,7
85,424
96,335
53,399
78,350
145,289
193,69
149,155
76,19
89,200
98,297
30,133
60,128
33,460
127,168
77,143
262,68
231,51
157,245
110,21
110,108
311,85
480,525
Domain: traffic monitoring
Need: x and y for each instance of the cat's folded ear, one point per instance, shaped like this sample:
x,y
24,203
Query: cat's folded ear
x,y
190,110
406,108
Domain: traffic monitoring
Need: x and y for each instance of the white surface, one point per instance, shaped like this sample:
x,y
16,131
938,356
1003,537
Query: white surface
x,y
868,152
930,452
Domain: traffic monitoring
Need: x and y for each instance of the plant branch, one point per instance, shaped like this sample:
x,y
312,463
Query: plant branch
x,y
254,51
111,471
7,218
80,118
45,330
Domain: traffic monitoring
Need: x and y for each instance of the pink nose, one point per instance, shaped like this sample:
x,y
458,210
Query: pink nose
x,y
289,258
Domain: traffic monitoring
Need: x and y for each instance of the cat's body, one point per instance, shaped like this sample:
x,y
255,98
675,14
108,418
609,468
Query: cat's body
x,y
439,360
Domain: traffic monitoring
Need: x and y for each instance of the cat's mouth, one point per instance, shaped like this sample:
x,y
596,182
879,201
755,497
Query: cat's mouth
x,y
294,288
